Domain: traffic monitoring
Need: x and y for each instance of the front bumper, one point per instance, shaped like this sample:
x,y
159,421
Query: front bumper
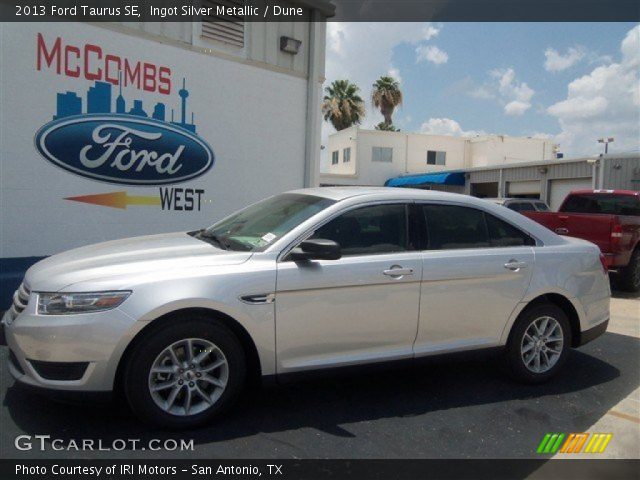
x,y
73,352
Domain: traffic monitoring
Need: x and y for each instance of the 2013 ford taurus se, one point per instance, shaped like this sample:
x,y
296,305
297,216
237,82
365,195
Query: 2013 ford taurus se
x,y
305,280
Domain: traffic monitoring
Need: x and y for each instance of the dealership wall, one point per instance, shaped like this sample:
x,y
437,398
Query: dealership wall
x,y
250,109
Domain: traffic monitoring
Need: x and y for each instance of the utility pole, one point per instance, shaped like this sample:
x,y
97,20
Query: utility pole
x,y
606,142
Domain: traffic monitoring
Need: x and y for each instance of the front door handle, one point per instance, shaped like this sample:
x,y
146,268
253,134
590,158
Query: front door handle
x,y
515,265
396,271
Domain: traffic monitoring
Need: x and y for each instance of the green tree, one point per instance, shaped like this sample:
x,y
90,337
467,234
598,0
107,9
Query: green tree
x,y
342,106
386,96
387,128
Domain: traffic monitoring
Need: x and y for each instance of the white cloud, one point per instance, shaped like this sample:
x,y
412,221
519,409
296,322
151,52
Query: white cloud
x,y
395,73
504,87
447,126
429,31
605,102
556,62
516,107
431,53
516,96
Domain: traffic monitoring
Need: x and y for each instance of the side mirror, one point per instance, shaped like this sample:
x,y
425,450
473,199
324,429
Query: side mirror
x,y
316,249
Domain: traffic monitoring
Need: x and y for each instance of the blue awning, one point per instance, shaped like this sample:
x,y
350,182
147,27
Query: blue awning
x,y
446,178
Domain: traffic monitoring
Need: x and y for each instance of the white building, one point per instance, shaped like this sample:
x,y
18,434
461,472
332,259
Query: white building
x,y
115,130
371,157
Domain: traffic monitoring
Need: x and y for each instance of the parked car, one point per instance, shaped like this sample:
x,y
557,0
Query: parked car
x,y
608,218
521,204
306,280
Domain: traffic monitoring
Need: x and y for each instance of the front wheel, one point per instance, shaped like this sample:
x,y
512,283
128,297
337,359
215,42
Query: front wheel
x,y
185,373
539,344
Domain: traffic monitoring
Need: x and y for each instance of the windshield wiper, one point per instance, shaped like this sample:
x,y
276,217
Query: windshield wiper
x,y
205,235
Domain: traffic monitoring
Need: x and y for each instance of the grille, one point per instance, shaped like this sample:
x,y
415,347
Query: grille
x,y
20,301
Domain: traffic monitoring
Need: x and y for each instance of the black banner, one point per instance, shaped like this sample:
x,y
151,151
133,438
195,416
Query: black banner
x,y
334,10
319,469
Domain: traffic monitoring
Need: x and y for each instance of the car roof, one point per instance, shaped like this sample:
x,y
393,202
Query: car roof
x,y
513,199
342,193
355,195
615,192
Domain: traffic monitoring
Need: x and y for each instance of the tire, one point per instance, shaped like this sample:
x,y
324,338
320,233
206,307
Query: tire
x,y
217,356
517,344
629,276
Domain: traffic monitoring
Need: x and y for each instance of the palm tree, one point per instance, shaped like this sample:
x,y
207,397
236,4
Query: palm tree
x,y
387,128
342,106
386,96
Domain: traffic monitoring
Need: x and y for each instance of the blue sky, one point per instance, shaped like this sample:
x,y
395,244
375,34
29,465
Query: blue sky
x,y
566,81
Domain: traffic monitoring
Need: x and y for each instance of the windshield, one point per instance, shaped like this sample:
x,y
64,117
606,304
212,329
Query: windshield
x,y
602,203
259,225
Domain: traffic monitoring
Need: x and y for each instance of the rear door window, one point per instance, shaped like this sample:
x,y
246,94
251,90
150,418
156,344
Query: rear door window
x,y
503,234
451,227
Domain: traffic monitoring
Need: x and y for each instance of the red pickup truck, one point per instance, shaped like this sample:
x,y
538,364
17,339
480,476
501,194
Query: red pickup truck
x,y
608,218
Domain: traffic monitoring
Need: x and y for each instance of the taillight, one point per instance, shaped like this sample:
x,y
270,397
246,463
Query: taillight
x,y
616,236
603,261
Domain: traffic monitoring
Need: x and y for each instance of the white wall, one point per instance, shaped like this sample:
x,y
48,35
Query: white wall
x,y
498,150
253,118
410,154
419,144
262,40
343,139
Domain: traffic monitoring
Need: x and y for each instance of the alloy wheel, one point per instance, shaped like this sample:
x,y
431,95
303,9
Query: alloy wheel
x,y
542,344
188,377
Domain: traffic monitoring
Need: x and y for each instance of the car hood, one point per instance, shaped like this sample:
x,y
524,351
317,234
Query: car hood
x,y
127,257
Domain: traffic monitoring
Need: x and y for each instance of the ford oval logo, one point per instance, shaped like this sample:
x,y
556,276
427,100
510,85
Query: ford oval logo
x,y
119,148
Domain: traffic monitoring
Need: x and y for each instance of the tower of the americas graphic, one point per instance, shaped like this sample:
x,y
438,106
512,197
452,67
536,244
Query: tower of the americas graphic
x,y
184,93
120,102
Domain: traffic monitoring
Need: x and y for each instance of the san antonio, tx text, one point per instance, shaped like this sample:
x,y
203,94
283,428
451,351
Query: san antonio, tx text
x,y
128,469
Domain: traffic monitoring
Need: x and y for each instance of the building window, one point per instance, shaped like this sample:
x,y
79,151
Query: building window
x,y
435,157
346,155
334,157
382,154
223,28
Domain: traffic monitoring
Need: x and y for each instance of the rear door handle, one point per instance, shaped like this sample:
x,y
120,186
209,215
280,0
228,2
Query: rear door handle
x,y
397,271
515,265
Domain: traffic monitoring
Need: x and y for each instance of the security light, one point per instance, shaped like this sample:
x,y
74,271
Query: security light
x,y
290,45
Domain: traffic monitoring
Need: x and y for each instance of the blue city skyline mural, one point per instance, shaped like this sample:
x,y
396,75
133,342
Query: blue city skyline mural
x,y
99,100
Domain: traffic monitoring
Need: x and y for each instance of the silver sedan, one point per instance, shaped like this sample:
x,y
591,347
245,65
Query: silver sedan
x,y
306,280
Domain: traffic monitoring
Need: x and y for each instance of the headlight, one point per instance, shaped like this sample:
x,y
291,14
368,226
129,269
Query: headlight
x,y
69,303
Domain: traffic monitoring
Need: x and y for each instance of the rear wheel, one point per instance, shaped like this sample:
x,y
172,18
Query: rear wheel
x,y
539,344
185,373
629,276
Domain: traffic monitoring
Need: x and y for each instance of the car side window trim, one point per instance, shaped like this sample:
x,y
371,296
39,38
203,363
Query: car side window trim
x,y
538,242
282,256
